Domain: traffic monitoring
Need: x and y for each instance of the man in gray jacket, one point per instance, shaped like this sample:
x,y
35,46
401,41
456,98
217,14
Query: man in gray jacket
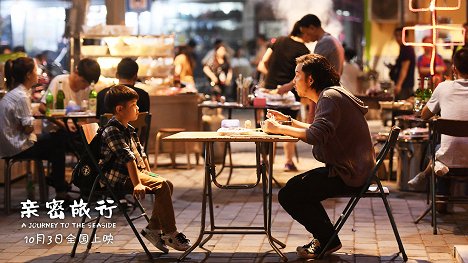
x,y
341,139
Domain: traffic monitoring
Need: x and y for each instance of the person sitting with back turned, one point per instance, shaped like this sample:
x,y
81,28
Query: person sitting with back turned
x,y
341,139
17,138
132,171
127,74
448,100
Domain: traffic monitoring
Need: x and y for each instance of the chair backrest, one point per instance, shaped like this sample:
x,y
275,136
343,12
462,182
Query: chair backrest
x,y
450,127
455,128
89,131
142,126
389,144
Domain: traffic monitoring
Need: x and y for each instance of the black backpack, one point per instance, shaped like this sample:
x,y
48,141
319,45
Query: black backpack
x,y
85,172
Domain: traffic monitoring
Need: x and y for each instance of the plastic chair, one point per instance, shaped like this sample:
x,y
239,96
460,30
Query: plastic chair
x,y
142,126
371,191
88,131
453,128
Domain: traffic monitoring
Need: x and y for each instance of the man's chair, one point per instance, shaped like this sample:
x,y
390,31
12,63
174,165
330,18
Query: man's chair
x,y
142,126
455,176
88,131
371,191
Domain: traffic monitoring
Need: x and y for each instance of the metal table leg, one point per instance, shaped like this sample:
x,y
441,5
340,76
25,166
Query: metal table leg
x,y
208,164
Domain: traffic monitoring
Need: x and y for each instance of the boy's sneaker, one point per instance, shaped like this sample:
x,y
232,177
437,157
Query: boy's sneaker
x,y
290,167
418,181
155,239
176,241
313,249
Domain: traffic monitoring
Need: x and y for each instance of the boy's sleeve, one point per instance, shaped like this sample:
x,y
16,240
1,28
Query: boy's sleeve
x,y
115,139
141,149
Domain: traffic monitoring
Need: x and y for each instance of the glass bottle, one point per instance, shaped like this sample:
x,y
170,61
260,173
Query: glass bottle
x,y
427,93
49,102
92,99
59,101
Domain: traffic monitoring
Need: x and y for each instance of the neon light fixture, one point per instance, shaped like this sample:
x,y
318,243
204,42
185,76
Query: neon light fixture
x,y
433,8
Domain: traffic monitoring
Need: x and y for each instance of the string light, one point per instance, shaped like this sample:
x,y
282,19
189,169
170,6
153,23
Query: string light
x,y
434,27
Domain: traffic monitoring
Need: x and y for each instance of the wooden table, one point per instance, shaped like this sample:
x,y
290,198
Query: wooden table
x,y
264,164
229,106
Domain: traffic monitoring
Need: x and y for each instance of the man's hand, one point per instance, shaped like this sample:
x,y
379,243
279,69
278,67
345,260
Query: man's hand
x,y
139,191
276,115
271,126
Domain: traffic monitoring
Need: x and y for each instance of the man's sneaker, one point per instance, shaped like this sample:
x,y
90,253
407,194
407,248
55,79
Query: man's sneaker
x,y
313,249
155,239
418,181
176,241
290,167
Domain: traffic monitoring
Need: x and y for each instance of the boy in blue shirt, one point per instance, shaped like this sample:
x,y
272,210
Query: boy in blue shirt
x,y
131,169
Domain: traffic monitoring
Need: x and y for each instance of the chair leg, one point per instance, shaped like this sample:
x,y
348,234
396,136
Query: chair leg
x,y
43,193
93,233
340,223
197,158
433,195
187,152
7,185
156,150
130,223
173,155
392,222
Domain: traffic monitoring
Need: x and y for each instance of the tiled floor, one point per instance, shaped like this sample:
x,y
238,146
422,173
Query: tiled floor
x,y
366,237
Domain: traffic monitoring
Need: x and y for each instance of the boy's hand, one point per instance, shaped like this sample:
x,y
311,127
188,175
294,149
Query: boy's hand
x,y
139,191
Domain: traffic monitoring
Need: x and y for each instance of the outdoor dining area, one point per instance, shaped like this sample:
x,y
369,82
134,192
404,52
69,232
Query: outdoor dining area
x,y
234,215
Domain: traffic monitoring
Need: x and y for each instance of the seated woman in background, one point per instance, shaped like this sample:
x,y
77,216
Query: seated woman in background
x,y
16,122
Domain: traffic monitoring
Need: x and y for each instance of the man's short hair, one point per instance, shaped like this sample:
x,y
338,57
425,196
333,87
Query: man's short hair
x,y
119,95
127,68
460,60
310,20
89,69
322,72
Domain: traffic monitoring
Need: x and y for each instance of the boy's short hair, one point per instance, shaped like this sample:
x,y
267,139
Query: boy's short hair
x,y
119,95
460,60
127,68
89,69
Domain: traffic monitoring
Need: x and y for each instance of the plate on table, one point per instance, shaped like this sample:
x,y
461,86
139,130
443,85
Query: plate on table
x,y
57,112
234,131
78,113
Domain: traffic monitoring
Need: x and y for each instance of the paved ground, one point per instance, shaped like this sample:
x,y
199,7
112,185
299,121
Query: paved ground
x,y
366,237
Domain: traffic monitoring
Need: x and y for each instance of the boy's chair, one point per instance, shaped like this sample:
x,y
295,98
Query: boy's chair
x,y
88,131
142,126
455,176
371,191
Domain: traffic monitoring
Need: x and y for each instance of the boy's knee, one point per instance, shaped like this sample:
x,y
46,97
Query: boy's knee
x,y
170,185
